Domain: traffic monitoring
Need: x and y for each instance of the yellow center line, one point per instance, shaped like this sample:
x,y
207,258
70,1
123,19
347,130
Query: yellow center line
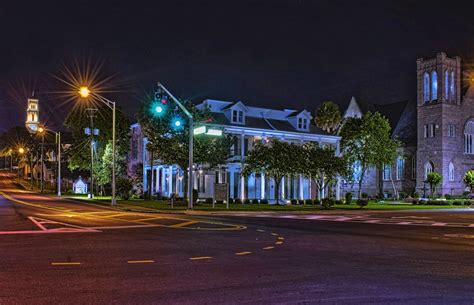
x,y
279,243
281,238
184,224
243,253
200,258
274,234
268,248
149,261
65,263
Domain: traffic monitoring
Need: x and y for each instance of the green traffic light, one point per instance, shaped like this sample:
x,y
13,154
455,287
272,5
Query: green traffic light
x,y
158,109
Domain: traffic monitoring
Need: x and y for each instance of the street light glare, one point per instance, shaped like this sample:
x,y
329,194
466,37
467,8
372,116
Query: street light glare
x,y
40,129
84,91
159,109
21,150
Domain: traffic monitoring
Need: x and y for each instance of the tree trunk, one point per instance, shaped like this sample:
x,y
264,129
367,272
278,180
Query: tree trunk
x,y
277,189
361,179
395,192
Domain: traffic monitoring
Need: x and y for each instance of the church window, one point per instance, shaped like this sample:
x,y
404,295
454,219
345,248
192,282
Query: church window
x,y
400,167
356,171
387,172
432,131
428,168
434,86
425,131
451,131
426,88
452,87
468,137
451,172
446,85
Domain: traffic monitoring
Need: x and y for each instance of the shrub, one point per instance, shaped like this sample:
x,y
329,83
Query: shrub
x,y
208,200
362,202
364,195
294,202
415,202
300,201
254,201
308,201
124,188
264,201
348,197
195,195
316,201
438,202
247,201
327,203
238,201
402,195
466,194
468,202
457,202
231,200
416,195
219,201
448,196
339,202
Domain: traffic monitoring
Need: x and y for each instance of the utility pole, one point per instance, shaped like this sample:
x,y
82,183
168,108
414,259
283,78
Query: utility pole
x,y
42,162
92,113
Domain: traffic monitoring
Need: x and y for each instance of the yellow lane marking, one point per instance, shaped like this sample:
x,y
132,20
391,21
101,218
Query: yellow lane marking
x,y
149,261
274,234
243,253
65,263
279,243
281,238
184,224
200,258
268,248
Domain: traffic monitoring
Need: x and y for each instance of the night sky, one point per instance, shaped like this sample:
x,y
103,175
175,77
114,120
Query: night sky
x,y
275,53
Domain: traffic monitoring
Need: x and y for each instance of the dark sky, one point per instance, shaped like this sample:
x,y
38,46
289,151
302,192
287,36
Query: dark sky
x,y
274,53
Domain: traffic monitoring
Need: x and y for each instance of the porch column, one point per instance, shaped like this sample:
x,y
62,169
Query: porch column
x,y
231,183
300,182
282,186
242,186
170,180
163,180
262,186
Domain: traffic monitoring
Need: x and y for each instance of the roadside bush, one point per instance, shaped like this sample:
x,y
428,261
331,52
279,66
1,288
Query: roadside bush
x,y
247,201
402,195
254,201
219,201
327,203
416,195
348,197
264,201
457,202
466,194
208,200
124,188
238,201
438,202
294,202
339,202
468,202
316,201
300,201
448,196
364,196
415,202
308,202
362,202
231,200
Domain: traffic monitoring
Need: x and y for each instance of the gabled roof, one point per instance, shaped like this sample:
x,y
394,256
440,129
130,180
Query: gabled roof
x,y
231,105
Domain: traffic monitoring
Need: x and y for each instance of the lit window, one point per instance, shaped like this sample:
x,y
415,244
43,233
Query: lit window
x,y
428,168
426,88
237,116
451,171
451,131
302,123
432,131
400,167
453,87
446,85
434,86
387,172
468,137
356,171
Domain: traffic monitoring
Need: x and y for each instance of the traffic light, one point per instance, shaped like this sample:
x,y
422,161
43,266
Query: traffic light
x,y
177,123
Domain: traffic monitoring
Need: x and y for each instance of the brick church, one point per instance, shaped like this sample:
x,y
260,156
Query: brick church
x,y
437,132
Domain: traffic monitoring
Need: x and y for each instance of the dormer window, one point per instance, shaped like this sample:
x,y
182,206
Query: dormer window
x,y
237,116
302,124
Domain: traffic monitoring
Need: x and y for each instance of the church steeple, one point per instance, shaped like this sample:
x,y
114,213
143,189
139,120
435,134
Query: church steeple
x,y
32,114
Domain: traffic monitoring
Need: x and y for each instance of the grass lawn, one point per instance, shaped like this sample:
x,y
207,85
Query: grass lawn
x,y
164,205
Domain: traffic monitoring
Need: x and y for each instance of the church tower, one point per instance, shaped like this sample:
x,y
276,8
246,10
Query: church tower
x,y
440,122
32,115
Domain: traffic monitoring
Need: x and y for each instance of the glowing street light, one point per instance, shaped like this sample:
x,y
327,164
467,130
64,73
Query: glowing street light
x,y
21,150
159,109
84,92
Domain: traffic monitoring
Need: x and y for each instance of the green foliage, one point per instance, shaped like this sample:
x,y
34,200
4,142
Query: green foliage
x,y
254,201
103,169
368,141
327,203
362,202
264,201
468,179
348,198
434,180
124,188
328,117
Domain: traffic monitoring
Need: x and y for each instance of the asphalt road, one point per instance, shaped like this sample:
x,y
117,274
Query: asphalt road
x,y
60,252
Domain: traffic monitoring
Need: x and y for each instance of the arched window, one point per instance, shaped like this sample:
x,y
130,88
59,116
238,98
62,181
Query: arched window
x,y
428,168
400,167
356,171
426,87
446,85
451,172
434,86
453,87
387,172
468,137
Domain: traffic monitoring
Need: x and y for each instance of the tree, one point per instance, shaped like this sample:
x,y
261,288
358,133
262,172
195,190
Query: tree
x,y
276,160
328,117
468,179
434,179
103,169
368,141
322,165
170,144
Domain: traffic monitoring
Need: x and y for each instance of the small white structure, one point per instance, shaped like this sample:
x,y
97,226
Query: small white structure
x,y
79,187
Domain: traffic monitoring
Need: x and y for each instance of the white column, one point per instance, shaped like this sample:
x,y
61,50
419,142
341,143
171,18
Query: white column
x,y
262,186
338,188
156,179
163,180
282,186
242,186
170,180
231,183
152,191
300,181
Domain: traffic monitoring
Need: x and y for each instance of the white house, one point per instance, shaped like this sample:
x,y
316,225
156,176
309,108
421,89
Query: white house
x,y
247,125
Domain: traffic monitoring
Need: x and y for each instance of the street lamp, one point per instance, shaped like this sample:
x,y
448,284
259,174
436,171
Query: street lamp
x,y
42,131
85,92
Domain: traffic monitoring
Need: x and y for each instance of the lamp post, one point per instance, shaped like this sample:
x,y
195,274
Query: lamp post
x,y
21,151
41,132
10,151
84,92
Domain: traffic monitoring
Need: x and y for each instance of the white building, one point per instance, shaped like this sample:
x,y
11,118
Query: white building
x,y
248,125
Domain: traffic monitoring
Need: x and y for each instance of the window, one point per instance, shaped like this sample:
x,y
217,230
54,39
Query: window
x,y
428,168
400,167
237,116
451,131
446,85
356,171
451,172
302,123
453,87
434,86
425,131
468,137
413,167
426,87
432,131
387,172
